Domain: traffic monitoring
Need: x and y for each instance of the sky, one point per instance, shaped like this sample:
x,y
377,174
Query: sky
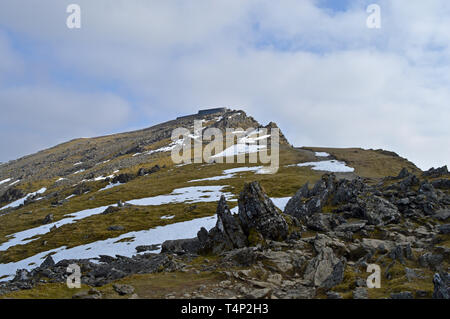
x,y
311,66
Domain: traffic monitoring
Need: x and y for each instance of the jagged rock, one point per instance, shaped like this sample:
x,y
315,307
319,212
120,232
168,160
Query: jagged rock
x,y
228,232
123,289
377,210
301,208
326,269
401,252
48,262
293,206
441,286
257,212
403,173
48,219
436,172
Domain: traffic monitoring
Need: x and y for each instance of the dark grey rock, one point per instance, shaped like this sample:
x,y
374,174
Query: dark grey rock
x,y
181,246
441,286
48,262
116,228
444,229
256,211
48,219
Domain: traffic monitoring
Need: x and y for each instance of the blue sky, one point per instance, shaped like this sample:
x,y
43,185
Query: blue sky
x,y
312,66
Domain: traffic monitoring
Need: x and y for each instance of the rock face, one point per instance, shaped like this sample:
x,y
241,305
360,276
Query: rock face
x,y
257,212
227,234
441,286
325,270
258,219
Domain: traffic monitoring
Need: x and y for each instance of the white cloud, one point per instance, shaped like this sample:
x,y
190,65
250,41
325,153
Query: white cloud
x,y
322,76
37,117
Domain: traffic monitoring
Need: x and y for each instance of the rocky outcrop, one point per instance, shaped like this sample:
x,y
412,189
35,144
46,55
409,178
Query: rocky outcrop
x,y
441,286
123,178
96,274
11,195
378,205
147,171
436,172
227,234
258,220
257,212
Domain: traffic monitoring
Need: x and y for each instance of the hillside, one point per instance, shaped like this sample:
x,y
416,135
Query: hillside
x,y
120,207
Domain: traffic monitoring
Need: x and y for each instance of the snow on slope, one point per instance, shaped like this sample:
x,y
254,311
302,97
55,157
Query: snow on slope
x,y
21,201
329,166
114,246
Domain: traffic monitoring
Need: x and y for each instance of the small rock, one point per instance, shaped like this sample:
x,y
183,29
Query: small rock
x,y
116,228
360,293
259,293
48,219
333,295
123,289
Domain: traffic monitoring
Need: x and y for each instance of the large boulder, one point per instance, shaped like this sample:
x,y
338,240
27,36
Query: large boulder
x,y
257,212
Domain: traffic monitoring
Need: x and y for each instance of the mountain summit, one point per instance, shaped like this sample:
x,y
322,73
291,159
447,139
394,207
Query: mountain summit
x,y
119,208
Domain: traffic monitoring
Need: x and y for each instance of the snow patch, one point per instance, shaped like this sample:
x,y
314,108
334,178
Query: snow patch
x,y
5,181
329,166
21,201
322,154
113,246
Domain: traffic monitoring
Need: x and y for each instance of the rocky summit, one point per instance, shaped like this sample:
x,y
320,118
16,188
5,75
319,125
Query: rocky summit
x,y
117,212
